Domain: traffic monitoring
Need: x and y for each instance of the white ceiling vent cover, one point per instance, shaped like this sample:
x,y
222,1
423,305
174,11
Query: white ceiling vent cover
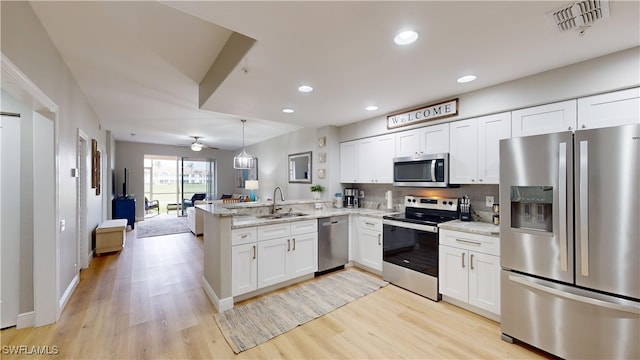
x,y
579,14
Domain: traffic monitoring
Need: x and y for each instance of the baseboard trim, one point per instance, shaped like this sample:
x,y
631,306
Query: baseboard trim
x,y
220,305
473,309
25,320
68,292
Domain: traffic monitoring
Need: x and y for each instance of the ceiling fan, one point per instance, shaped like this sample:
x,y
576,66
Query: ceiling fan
x,y
197,145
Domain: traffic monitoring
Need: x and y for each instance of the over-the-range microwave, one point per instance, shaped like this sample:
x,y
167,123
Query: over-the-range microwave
x,y
430,170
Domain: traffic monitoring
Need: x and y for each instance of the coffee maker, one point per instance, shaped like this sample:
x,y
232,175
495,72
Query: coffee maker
x,y
350,199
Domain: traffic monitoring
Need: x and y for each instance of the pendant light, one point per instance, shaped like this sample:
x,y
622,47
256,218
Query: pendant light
x,y
243,160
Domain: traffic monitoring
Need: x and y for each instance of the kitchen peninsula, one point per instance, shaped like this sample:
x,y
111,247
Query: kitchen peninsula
x,y
236,234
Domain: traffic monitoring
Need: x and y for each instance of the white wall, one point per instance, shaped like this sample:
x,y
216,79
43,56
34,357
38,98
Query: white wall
x,y
273,161
130,155
607,73
25,42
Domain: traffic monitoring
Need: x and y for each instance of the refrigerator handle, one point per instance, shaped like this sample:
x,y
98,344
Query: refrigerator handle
x,y
633,309
562,197
584,208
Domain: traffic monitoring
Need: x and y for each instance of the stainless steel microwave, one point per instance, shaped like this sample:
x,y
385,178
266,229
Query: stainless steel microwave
x,y
421,170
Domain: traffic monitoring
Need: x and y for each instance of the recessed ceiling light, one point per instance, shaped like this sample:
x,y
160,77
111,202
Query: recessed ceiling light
x,y
371,108
406,37
466,78
288,110
305,88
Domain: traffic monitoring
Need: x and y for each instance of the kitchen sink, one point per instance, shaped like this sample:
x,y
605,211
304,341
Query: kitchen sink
x,y
280,216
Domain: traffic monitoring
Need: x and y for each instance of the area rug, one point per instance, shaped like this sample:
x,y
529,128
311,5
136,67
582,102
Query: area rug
x,y
253,323
164,226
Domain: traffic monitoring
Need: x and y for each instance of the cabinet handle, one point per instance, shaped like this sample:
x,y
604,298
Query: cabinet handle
x,y
584,126
477,243
379,239
294,244
288,244
368,223
462,260
480,180
254,252
471,261
244,236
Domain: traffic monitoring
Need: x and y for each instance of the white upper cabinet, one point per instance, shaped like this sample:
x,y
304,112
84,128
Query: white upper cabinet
x,y
463,154
544,119
368,160
348,162
474,155
491,129
375,163
611,109
408,143
427,140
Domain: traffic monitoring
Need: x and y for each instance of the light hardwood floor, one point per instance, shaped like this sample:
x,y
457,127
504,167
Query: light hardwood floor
x,y
147,303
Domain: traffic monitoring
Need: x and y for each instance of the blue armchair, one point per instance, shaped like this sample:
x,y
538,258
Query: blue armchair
x,y
186,203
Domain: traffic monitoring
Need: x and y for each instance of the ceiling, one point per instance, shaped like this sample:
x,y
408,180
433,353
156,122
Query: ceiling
x,y
140,64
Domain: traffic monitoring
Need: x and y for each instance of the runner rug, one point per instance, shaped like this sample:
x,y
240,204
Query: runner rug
x,y
253,323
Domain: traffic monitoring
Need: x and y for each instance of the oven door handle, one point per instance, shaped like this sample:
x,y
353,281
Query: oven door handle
x,y
408,225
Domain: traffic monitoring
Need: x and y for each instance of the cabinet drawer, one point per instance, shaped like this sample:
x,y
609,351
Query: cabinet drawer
x,y
243,236
474,242
304,227
274,231
370,223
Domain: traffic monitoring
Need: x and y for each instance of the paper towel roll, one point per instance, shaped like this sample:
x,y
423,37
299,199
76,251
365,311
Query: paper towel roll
x,y
389,197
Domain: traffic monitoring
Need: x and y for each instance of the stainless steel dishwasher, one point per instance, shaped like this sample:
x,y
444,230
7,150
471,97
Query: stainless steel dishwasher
x,y
333,242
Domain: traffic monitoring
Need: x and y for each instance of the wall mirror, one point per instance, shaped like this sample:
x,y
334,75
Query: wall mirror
x,y
300,168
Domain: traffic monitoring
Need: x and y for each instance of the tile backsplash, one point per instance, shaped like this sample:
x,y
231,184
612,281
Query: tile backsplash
x,y
477,193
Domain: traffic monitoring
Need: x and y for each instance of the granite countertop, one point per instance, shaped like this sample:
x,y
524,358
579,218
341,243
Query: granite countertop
x,y
475,227
242,221
216,209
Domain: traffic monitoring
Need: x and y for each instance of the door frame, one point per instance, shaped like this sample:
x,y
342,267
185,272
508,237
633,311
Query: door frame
x,y
46,256
81,201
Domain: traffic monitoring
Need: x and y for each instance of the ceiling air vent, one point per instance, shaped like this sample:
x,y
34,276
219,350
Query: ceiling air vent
x,y
578,15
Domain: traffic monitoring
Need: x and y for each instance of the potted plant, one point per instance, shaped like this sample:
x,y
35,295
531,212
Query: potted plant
x,y
316,190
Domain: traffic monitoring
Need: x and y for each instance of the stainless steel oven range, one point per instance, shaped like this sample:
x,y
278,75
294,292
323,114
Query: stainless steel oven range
x,y
410,244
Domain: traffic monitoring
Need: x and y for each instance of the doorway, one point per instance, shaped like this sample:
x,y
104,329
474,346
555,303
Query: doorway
x,y
196,176
83,236
170,180
9,219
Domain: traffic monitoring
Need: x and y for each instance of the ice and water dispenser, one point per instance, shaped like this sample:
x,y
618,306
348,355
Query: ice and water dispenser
x,y
531,208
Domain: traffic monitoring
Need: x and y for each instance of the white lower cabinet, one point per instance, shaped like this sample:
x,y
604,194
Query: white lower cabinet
x,y
469,269
279,252
274,261
244,267
370,242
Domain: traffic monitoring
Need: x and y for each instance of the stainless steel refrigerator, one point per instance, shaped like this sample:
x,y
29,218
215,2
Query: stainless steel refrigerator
x,y
570,242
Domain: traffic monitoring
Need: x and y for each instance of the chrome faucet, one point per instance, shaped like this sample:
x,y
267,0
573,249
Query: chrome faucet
x,y
273,208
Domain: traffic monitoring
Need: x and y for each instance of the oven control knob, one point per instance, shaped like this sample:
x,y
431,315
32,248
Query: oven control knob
x,y
450,202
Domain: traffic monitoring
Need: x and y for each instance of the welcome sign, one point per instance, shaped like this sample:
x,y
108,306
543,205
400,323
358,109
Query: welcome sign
x,y
427,113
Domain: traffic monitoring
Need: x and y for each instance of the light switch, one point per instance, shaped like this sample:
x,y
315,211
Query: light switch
x,y
63,225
